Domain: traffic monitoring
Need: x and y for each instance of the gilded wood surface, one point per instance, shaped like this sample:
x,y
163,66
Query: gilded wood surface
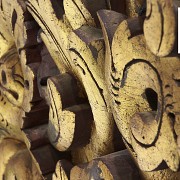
x,y
80,81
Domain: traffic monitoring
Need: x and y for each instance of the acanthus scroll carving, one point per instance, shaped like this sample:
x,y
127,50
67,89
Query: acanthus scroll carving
x,y
104,75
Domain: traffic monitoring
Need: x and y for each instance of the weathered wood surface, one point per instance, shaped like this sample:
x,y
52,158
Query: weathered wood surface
x,y
139,84
63,169
27,153
20,59
69,115
160,27
73,74
82,53
117,165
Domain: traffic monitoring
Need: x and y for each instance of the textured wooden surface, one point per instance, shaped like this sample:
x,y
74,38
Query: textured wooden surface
x,y
118,165
138,84
80,80
160,26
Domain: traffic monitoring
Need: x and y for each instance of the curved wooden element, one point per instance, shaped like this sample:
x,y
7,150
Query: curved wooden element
x,y
68,115
131,8
63,43
140,83
118,165
21,104
16,161
160,26
87,52
19,62
83,12
97,71
63,169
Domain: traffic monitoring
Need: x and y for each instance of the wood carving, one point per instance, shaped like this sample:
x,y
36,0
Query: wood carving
x,y
76,47
160,26
63,169
139,85
16,161
117,165
26,154
68,114
74,74
12,86
17,155
19,63
134,7
20,101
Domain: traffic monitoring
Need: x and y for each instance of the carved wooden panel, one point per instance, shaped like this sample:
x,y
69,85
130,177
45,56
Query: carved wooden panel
x,y
89,89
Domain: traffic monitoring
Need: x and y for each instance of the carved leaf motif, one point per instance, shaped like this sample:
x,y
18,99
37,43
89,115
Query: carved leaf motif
x,y
19,62
82,53
93,82
160,26
137,81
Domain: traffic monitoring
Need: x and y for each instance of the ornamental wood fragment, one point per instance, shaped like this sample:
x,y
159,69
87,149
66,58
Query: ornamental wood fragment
x,y
74,58
89,89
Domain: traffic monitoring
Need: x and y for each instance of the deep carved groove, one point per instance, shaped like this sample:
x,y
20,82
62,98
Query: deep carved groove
x,y
14,18
3,75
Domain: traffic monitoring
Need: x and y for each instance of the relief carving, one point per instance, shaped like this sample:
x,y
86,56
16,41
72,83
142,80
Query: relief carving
x,y
77,78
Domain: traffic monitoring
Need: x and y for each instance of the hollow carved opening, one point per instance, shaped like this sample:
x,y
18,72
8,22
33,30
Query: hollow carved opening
x,y
152,98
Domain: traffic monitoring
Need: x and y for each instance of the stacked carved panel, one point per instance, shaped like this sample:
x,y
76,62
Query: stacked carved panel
x,y
89,90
